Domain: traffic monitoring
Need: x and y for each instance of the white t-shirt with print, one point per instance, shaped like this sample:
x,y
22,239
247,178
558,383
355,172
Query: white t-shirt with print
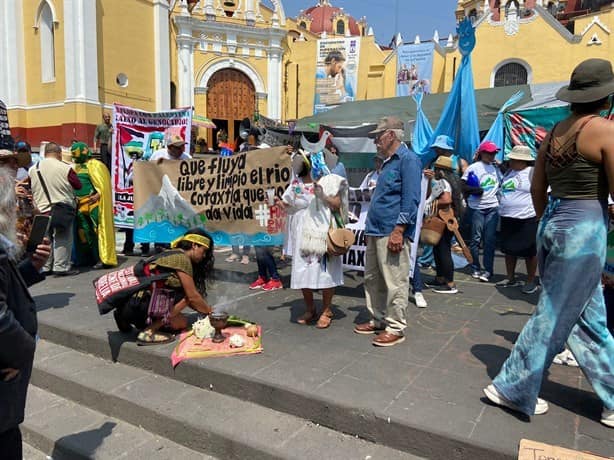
x,y
516,201
488,178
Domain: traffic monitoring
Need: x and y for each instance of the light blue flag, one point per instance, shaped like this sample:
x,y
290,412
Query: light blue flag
x,y
459,118
496,131
423,131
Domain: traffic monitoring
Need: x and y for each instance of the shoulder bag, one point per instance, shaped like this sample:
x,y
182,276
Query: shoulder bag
x,y
339,239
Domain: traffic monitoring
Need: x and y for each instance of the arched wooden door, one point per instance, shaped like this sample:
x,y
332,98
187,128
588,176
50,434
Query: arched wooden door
x,y
231,97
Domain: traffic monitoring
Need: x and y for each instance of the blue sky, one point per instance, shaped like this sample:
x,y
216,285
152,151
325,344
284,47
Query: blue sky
x,y
414,17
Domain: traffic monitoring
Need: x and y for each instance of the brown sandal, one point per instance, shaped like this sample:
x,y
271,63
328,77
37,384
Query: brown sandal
x,y
307,318
324,320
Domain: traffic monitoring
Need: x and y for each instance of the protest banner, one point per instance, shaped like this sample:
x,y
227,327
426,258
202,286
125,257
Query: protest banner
x,y
414,68
337,72
232,197
136,135
358,207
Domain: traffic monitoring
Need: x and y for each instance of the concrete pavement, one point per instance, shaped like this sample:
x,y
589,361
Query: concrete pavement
x,y
422,397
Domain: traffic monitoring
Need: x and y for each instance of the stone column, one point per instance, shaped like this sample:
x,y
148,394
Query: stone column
x,y
12,71
81,51
185,63
274,83
162,66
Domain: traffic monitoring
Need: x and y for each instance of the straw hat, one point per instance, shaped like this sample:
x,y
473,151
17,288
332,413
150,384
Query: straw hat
x,y
443,163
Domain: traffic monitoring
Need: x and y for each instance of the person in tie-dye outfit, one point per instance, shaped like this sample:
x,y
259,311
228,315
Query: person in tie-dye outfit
x,y
577,161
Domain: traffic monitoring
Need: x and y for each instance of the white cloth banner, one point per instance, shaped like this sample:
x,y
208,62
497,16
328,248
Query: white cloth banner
x,y
359,201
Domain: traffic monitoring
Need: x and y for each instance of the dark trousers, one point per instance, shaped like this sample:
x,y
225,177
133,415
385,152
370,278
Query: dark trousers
x,y
10,444
443,257
129,242
416,280
105,155
608,295
266,263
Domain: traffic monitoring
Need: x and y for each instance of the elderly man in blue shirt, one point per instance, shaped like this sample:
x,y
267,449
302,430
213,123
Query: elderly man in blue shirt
x,y
390,226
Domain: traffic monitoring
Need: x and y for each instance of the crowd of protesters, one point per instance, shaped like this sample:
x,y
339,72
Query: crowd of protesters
x,y
549,208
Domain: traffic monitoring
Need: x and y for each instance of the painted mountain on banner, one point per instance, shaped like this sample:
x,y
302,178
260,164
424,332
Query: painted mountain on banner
x,y
167,206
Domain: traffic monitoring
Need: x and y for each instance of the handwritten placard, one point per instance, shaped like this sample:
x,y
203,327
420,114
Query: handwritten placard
x,y
532,450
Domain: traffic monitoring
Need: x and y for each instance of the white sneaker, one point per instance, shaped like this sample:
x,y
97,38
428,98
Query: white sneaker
x,y
565,358
607,418
495,397
484,276
420,300
508,283
476,274
530,288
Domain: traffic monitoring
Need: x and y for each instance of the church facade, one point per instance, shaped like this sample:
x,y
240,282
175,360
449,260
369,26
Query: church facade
x,y
65,62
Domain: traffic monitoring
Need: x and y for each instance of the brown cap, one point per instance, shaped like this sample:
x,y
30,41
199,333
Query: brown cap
x,y
385,124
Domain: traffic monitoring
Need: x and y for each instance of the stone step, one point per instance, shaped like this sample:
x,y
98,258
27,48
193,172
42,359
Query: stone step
x,y
57,428
196,418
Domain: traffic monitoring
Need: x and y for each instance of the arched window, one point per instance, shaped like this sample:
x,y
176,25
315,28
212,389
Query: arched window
x,y
340,27
46,34
510,74
303,24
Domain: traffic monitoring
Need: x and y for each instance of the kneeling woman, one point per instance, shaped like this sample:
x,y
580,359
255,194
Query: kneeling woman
x,y
189,265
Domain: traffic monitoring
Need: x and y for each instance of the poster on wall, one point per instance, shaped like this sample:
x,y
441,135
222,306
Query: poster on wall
x,y
414,68
136,135
232,197
336,72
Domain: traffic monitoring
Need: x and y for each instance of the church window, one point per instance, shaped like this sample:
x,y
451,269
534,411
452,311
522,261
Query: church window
x,y
46,34
510,74
340,27
303,24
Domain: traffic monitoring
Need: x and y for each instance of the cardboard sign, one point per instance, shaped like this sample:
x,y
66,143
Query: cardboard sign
x,y
531,450
233,197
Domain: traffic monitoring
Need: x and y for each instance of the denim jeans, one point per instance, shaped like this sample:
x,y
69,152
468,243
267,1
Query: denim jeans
x,y
483,229
266,263
571,248
416,282
426,259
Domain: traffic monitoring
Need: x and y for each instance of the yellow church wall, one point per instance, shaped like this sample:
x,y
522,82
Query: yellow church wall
x,y
549,56
38,92
303,54
126,45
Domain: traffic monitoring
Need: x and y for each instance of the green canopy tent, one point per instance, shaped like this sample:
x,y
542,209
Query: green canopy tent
x,y
488,100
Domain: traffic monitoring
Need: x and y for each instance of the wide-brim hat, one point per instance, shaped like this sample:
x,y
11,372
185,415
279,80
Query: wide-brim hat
x,y
590,81
23,158
520,152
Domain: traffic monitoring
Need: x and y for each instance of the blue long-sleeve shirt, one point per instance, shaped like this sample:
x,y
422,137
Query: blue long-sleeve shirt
x,y
397,195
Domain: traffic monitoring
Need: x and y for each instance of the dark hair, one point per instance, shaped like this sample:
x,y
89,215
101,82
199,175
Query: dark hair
x,y
455,183
203,271
305,169
584,108
22,145
334,55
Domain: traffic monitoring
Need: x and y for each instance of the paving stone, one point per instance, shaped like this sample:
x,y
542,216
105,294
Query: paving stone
x,y
31,453
71,431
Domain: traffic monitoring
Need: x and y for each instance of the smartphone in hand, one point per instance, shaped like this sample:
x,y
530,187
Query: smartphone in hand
x,y
40,227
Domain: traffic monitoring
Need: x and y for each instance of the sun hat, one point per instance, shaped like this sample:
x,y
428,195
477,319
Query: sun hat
x,y
23,158
520,152
176,141
590,81
488,147
443,163
385,124
443,142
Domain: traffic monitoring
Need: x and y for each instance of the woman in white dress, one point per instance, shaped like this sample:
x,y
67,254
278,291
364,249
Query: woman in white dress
x,y
310,203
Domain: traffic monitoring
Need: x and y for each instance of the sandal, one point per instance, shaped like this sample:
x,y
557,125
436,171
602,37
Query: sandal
x,y
324,320
154,338
245,260
307,318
